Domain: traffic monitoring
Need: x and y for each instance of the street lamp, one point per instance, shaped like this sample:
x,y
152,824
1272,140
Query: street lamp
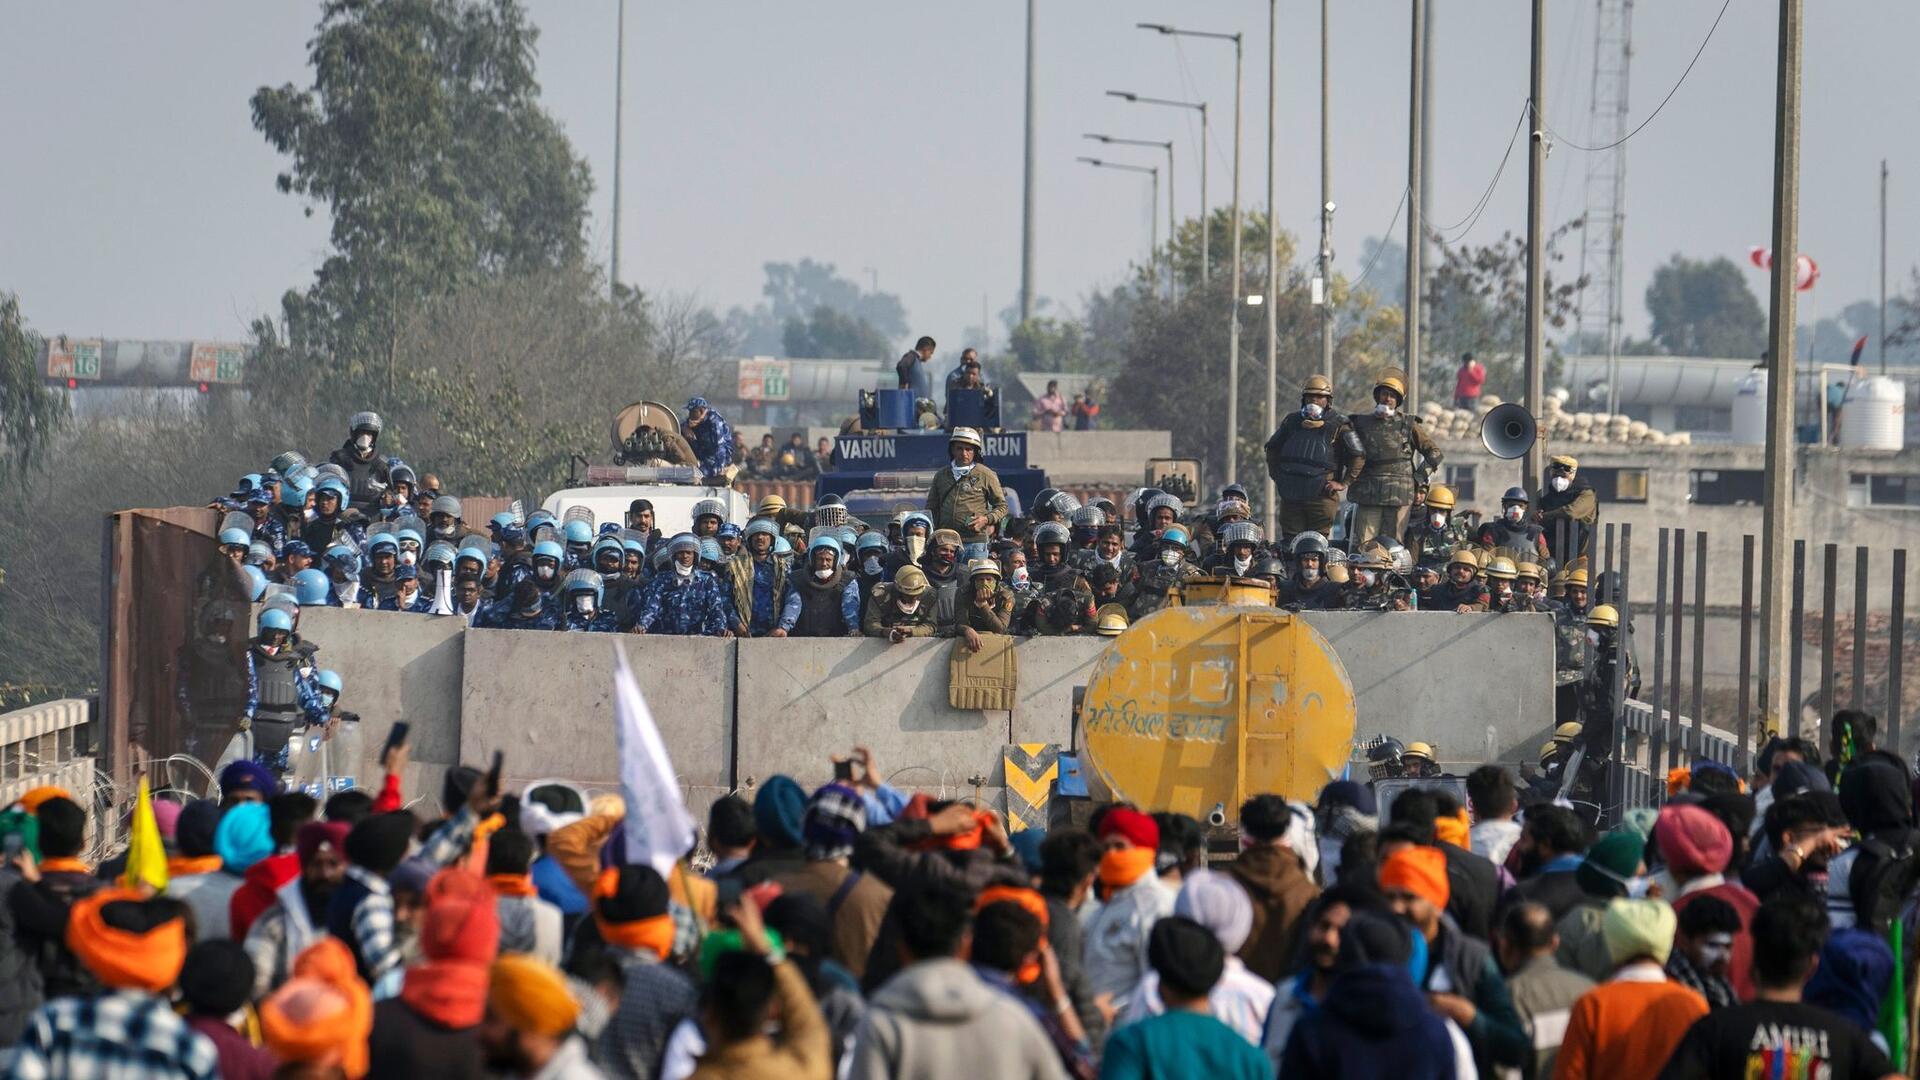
x,y
1111,140
1205,232
1233,333
1153,219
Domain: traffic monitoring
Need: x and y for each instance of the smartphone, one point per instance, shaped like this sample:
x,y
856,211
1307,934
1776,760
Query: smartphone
x,y
493,774
395,738
843,770
12,846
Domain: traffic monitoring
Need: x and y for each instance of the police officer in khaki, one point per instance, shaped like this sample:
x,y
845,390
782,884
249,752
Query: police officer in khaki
x,y
1391,441
966,496
1309,457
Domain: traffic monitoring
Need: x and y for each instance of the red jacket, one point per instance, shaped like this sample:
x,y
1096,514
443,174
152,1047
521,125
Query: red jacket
x,y
257,891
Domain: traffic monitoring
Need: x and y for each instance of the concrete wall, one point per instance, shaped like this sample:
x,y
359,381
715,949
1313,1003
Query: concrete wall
x,y
734,713
1096,457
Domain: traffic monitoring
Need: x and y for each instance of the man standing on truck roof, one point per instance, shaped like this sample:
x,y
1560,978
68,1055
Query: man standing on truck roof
x,y
711,436
912,369
966,497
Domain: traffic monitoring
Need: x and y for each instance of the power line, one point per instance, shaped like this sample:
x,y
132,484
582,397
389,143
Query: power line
x,y
1663,101
1466,224
1385,235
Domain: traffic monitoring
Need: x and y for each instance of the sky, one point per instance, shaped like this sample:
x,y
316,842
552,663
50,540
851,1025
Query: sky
x,y
887,138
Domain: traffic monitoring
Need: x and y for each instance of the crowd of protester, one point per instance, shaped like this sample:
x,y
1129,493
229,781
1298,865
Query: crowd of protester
x,y
864,931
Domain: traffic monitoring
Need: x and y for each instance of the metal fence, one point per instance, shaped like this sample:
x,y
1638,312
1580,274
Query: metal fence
x,y
1655,733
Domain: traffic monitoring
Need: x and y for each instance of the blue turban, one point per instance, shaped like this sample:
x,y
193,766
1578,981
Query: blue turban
x,y
243,837
247,775
778,811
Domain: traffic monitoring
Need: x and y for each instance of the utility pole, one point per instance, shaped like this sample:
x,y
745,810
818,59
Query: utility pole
x,y
1272,303
1882,339
1532,460
1326,210
1416,228
1427,258
1779,638
619,99
1026,201
1206,225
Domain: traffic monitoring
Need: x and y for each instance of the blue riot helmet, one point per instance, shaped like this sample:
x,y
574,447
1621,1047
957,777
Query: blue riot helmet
x,y
311,587
826,541
343,558
259,553
710,550
330,685
608,557
439,556
472,560
256,582
235,538
275,619
331,487
849,539
410,540
293,494
583,582
286,461
870,543
547,556
579,536
385,540
684,542
539,518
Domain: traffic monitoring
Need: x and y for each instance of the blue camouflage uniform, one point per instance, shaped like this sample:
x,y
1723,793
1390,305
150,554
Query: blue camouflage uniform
x,y
312,706
602,621
671,604
500,615
273,531
713,442
421,605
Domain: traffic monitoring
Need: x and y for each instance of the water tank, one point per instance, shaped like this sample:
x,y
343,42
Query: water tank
x,y
1750,409
1875,415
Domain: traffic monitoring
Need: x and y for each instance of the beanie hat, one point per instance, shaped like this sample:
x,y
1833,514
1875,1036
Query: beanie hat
x,y
1218,902
778,810
834,819
217,977
1692,841
1186,955
379,843
193,833
1419,870
1610,862
1638,928
1131,825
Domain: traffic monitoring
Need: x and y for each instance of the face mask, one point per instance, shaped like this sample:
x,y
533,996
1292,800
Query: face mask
x,y
1312,410
407,558
1637,887
961,470
1020,578
583,604
943,557
444,532
824,575
871,564
1503,592
309,514
916,547
683,571
1169,557
1382,409
1241,566
1513,514
1309,574
1561,483
1363,578
1439,521
1593,638
363,443
908,607
543,572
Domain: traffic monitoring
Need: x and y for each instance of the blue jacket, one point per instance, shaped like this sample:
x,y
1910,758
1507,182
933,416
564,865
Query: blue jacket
x,y
671,604
1374,1022
713,443
500,615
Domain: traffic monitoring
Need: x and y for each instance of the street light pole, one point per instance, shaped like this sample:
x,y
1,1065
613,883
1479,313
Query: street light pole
x,y
1026,190
1326,209
1166,145
1273,246
1233,331
619,99
1153,215
1882,339
1778,638
1202,107
1534,458
1416,234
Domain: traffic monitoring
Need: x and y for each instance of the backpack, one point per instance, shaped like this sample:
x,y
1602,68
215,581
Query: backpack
x,y
1883,877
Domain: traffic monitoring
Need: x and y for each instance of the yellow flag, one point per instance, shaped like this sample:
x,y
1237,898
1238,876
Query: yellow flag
x,y
146,854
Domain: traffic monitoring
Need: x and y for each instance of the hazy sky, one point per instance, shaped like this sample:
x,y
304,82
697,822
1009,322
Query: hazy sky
x,y
139,202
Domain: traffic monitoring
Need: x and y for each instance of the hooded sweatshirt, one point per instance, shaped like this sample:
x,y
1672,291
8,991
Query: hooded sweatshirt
x,y
1372,1023
1276,881
937,1019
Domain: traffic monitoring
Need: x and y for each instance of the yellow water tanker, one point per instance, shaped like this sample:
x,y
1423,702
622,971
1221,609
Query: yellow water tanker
x,y
1194,708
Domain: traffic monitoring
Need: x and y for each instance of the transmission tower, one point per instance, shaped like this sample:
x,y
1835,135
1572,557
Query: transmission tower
x,y
1598,311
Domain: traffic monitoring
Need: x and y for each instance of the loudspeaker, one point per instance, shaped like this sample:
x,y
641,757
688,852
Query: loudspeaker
x,y
1509,431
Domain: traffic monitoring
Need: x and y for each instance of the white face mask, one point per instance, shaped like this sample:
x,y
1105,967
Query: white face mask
x,y
871,564
408,558
683,571
1363,578
823,575
1020,576
1593,638
1514,513
1169,557
405,598
1637,887
583,604
309,514
1439,521
1561,483
544,572
1309,574
908,607
1312,410
960,470
363,442
1382,409
916,547
1241,566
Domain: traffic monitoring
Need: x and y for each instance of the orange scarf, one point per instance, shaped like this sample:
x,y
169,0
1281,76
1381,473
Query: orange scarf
x,y
119,958
512,884
654,934
323,1013
64,864
190,865
451,993
1454,830
1119,869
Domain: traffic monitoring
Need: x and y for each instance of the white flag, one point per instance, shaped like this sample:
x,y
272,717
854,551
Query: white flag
x,y
658,828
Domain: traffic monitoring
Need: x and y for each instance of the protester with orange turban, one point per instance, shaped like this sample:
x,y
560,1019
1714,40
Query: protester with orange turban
x,y
528,1030
631,910
324,1014
1116,935
127,942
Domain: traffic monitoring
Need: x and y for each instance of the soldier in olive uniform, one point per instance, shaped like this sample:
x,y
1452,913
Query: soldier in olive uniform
x,y
966,497
1529,589
1312,457
1596,690
1433,539
1569,510
1399,456
899,611
1309,589
987,606
1462,591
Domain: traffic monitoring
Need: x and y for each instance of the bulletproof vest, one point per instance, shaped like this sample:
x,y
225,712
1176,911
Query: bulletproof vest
x,y
1569,647
1522,537
1388,477
820,607
279,683
945,599
1301,457
214,683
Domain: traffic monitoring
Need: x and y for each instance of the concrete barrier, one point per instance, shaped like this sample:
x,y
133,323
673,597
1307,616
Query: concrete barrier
x,y
734,713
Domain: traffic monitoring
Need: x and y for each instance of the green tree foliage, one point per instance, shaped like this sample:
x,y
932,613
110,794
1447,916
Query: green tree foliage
x,y
1476,301
795,292
832,334
1048,344
423,138
30,412
1703,307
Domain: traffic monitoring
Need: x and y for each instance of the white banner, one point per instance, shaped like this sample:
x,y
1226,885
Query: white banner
x,y
658,828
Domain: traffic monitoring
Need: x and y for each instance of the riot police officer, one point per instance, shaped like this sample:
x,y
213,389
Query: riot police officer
x,y
1399,457
966,497
1154,580
1462,591
1065,603
1433,538
898,611
682,599
823,600
582,611
1312,457
1569,510
1512,530
1501,573
281,694
1369,587
1234,555
366,471
1309,589
1596,690
987,606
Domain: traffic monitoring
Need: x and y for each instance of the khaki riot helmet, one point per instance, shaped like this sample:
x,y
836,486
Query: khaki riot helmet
x,y
1440,497
910,581
1317,385
1605,615
1547,750
1502,569
982,568
1464,556
1527,571
1567,732
1418,751
1393,379
1576,578
966,436
772,504
1110,620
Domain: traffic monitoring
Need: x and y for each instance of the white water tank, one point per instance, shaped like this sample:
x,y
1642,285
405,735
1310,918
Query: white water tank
x,y
1875,415
1750,409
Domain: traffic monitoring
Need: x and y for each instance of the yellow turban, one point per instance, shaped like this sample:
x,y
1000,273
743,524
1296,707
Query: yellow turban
x,y
531,995
30,802
1637,928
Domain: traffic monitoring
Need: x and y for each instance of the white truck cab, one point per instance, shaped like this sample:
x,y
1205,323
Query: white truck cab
x,y
672,497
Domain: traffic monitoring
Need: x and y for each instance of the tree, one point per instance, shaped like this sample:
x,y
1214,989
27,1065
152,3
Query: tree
x,y
1047,344
828,333
1476,301
423,137
795,292
30,413
1702,307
